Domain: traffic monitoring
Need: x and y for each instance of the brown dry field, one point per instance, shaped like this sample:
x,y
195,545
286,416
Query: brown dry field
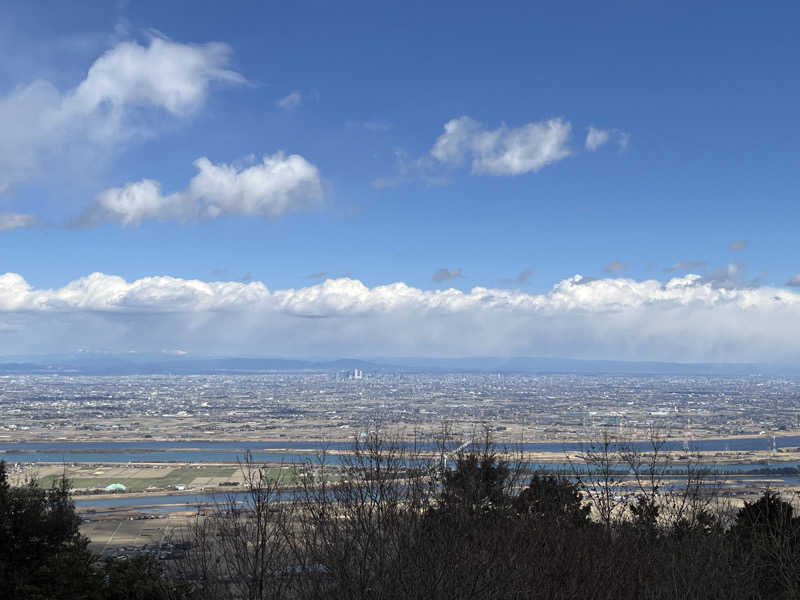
x,y
139,477
144,429
107,534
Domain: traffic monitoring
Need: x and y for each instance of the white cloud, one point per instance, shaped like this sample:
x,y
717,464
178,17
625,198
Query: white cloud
x,y
11,220
293,100
136,202
794,280
278,185
596,138
42,126
502,151
683,319
505,150
164,74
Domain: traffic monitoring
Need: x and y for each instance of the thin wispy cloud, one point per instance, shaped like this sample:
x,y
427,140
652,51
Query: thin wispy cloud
x,y
11,220
738,245
291,101
685,265
522,278
596,137
440,275
616,267
407,170
371,126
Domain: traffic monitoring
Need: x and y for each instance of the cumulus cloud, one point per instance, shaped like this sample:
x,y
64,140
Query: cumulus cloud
x,y
794,280
440,275
164,74
739,245
681,319
730,276
505,150
615,267
135,202
291,101
277,185
502,151
42,125
11,220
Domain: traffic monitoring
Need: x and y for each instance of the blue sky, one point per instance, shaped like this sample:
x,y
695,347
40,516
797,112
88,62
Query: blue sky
x,y
329,122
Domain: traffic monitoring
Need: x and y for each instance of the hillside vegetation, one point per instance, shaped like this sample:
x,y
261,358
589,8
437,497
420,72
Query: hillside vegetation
x,y
466,525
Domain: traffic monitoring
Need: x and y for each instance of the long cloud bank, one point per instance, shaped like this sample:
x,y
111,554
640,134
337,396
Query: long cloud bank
x,y
683,319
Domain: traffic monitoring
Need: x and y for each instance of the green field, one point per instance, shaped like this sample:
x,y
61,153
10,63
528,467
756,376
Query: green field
x,y
178,475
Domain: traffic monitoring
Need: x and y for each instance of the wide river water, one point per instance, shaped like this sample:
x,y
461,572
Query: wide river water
x,y
290,452
295,452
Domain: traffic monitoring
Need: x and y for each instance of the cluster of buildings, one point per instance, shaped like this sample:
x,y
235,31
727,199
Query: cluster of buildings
x,y
338,405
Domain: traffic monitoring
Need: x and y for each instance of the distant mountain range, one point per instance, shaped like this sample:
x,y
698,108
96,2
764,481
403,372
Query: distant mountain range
x,y
105,364
155,365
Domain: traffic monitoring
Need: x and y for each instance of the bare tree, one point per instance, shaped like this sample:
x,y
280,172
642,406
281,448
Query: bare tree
x,y
599,475
241,548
